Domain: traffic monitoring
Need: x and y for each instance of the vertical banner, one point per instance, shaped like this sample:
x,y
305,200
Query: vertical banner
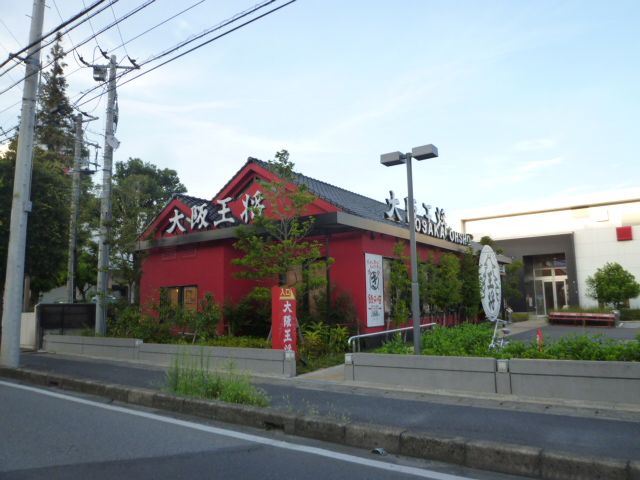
x,y
284,322
375,290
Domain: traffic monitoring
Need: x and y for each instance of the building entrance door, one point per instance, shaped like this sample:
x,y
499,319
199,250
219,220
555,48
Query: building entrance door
x,y
551,293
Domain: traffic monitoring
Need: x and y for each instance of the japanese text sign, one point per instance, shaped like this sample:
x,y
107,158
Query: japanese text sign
x,y
284,322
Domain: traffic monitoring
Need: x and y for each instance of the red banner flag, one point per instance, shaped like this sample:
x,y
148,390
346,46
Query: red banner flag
x,y
540,339
284,322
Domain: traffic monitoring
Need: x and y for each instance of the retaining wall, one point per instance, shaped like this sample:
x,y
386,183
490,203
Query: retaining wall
x,y
254,360
610,382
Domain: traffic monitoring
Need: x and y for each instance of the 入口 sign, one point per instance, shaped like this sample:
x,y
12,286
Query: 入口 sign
x,y
284,322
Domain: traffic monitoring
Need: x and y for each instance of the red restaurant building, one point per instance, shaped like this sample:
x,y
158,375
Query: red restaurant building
x,y
188,249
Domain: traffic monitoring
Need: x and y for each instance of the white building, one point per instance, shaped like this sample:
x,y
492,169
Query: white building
x,y
563,245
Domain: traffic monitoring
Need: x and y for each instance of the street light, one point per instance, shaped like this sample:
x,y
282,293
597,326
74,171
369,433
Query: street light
x,y
396,158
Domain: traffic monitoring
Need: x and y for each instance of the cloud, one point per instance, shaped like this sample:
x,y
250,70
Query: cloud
x,y
540,164
534,145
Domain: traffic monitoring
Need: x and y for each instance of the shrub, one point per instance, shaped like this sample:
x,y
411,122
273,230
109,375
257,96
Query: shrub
x,y
468,340
520,316
613,285
322,339
627,314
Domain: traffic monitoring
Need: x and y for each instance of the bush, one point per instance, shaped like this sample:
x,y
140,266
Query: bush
x,y
470,340
322,339
628,314
251,315
519,316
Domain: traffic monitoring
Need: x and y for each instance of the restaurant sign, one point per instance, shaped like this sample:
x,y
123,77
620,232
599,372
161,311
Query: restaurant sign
x,y
432,223
217,214
284,322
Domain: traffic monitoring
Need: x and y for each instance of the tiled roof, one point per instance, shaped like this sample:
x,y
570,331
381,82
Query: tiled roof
x,y
196,202
345,200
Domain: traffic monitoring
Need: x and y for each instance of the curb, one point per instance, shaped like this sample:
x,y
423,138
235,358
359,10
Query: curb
x,y
484,455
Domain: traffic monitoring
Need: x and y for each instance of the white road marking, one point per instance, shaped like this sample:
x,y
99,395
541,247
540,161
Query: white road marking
x,y
418,472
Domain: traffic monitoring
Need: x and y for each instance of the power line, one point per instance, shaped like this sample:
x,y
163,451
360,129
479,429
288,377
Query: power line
x,y
119,32
92,30
158,25
197,37
59,27
111,25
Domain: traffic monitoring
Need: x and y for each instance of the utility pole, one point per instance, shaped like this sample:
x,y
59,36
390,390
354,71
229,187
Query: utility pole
x,y
21,205
73,222
105,206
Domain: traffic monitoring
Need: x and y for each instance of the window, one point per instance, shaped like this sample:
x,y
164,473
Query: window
x,y
186,296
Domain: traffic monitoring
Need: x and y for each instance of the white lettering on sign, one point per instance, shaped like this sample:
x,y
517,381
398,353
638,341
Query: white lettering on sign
x,y
434,227
199,217
175,221
252,206
394,211
224,210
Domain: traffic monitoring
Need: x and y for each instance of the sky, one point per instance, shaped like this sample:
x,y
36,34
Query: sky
x,y
530,103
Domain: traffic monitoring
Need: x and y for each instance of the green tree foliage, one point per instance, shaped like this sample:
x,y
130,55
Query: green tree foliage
x,y
470,284
400,287
612,285
140,190
54,124
279,243
48,222
426,282
447,293
511,291
487,240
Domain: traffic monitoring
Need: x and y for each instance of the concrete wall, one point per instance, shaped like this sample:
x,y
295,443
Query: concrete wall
x,y
610,382
253,360
28,337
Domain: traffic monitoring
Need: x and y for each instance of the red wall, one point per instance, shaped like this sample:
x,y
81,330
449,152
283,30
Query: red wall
x,y
209,266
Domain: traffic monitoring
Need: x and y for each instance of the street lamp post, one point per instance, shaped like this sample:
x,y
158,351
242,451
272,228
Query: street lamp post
x,y
396,158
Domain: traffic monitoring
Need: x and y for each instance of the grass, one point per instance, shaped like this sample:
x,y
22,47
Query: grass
x,y
193,379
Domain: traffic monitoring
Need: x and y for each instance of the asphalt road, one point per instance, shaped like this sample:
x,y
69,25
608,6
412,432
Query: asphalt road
x,y
539,425
47,434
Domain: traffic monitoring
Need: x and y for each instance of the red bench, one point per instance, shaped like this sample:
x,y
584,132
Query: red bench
x,y
577,318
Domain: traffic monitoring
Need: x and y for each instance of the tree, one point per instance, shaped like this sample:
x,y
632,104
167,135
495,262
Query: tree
x,y
140,191
54,123
511,283
612,285
470,284
278,244
447,292
400,287
48,223
47,229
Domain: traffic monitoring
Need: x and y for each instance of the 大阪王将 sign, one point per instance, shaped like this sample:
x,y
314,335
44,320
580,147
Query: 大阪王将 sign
x,y
431,224
284,322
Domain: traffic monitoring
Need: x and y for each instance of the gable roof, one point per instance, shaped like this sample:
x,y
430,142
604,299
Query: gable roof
x,y
345,200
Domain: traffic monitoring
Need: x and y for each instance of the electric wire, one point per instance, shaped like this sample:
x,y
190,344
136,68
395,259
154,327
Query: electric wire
x,y
119,32
104,29
54,30
158,25
91,26
66,32
190,40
